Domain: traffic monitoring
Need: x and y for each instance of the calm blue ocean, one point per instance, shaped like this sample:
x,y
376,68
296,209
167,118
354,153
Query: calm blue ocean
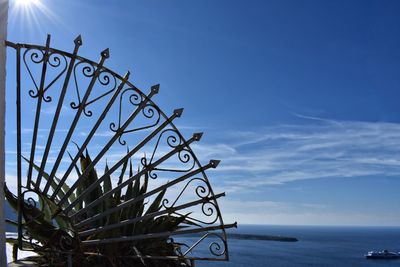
x,y
317,246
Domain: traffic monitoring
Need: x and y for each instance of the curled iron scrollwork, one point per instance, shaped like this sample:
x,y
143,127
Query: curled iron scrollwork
x,y
104,77
59,238
208,206
149,111
202,191
30,201
173,140
216,248
53,59
209,210
134,97
29,204
68,242
87,69
35,56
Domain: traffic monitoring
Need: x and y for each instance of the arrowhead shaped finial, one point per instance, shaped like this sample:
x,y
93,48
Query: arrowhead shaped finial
x,y
78,40
155,88
214,163
106,53
178,112
197,136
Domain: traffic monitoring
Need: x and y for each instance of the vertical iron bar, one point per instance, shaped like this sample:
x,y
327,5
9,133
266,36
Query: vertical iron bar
x,y
78,43
177,113
19,171
89,137
104,56
38,108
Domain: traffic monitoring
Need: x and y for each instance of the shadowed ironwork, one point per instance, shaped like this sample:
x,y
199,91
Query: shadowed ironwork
x,y
114,108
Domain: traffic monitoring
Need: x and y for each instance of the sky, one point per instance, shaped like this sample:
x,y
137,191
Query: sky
x,y
298,99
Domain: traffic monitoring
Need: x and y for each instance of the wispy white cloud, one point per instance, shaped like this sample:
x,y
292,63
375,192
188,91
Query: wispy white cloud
x,y
50,110
271,212
319,148
316,149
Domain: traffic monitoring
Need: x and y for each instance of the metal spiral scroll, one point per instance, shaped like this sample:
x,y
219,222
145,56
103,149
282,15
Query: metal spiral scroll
x,y
216,248
173,140
30,203
169,155
208,207
53,59
149,111
105,79
67,242
87,70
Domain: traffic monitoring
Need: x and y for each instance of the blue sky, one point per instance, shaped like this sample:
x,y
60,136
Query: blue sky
x,y
299,99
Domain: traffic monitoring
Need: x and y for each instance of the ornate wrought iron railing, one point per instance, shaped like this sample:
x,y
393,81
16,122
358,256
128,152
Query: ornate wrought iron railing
x,y
82,94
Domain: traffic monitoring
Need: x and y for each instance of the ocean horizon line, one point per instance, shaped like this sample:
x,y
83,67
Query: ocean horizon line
x,y
320,225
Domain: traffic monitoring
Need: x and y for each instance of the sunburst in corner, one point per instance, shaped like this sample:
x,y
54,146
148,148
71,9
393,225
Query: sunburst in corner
x,y
28,13
27,3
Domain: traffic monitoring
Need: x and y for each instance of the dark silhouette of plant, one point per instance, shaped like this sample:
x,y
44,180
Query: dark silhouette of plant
x,y
51,236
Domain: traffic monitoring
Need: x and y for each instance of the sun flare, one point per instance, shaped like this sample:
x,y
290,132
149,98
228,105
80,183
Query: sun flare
x,y
30,14
27,3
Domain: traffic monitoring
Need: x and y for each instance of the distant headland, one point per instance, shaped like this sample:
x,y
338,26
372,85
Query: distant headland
x,y
263,237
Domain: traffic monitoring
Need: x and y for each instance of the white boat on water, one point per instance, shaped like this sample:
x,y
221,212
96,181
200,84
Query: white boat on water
x,y
384,254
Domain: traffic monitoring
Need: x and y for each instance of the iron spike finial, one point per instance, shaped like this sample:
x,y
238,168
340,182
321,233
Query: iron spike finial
x,y
78,40
105,53
48,40
155,88
214,163
178,112
197,136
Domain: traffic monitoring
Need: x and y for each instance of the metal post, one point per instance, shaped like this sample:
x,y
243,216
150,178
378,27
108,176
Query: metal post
x,y
3,35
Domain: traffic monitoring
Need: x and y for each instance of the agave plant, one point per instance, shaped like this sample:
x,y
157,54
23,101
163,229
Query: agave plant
x,y
51,233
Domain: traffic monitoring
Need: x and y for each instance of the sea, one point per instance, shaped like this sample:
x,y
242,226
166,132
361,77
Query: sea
x,y
319,246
